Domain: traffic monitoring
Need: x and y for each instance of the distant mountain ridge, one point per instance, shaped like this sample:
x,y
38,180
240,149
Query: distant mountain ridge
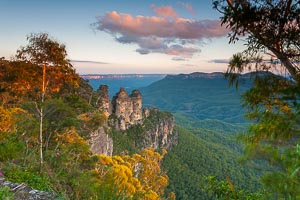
x,y
199,95
115,81
119,76
196,75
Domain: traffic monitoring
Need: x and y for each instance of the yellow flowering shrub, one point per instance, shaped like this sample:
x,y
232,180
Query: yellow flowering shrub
x,y
138,176
8,118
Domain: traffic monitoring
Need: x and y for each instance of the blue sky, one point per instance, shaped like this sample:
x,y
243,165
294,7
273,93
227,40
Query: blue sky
x,y
123,36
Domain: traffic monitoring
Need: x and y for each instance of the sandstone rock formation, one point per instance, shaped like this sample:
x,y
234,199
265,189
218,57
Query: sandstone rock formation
x,y
137,114
127,109
103,101
162,134
100,142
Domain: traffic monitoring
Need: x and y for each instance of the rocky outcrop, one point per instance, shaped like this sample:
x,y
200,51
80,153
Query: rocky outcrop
x,y
137,114
103,101
23,192
161,133
100,142
127,110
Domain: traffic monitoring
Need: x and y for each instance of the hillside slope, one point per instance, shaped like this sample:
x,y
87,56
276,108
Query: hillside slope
x,y
195,157
209,115
198,95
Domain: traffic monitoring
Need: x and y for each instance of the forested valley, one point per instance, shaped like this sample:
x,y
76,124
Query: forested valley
x,y
48,114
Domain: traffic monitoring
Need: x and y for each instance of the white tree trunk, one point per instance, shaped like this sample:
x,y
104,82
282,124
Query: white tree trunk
x,y
41,136
42,117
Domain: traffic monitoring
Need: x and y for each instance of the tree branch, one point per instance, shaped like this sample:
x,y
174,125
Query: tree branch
x,y
229,2
288,7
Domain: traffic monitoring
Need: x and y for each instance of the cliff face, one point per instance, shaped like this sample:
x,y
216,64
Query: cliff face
x,y
100,142
161,133
125,111
103,101
137,114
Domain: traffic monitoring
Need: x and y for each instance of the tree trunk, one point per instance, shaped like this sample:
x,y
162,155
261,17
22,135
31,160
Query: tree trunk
x,y
41,118
286,62
41,137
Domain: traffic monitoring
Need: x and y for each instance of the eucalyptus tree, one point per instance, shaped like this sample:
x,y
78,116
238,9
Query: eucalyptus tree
x,y
56,71
271,32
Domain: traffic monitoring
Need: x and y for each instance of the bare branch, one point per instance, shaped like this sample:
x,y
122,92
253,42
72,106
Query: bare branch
x,y
37,109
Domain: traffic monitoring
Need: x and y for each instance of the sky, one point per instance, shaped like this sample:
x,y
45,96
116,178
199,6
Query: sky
x,y
123,36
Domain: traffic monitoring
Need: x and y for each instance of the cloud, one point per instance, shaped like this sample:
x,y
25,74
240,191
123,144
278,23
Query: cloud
x,y
165,33
190,65
188,6
141,26
89,61
143,51
164,11
178,59
220,61
178,50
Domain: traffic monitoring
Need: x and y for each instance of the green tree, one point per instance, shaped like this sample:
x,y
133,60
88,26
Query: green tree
x,y
51,57
271,30
224,190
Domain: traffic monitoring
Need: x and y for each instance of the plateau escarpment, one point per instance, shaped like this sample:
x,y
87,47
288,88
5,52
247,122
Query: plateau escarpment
x,y
126,115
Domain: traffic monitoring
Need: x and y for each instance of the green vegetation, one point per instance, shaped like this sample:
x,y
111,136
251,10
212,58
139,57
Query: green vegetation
x,y
5,193
225,190
209,122
131,140
201,98
272,40
215,125
46,117
47,114
200,154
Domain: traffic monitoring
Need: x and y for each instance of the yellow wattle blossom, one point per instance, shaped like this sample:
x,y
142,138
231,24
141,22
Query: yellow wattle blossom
x,y
138,176
105,160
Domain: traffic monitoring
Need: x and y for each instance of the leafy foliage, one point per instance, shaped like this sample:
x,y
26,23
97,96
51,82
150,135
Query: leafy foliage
x,y
274,104
225,190
5,193
67,118
28,176
137,177
272,34
272,29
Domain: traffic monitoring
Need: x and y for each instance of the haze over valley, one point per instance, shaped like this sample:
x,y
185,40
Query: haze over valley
x,y
150,100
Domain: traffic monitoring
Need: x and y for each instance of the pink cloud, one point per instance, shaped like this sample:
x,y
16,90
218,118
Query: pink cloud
x,y
165,11
165,33
142,26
